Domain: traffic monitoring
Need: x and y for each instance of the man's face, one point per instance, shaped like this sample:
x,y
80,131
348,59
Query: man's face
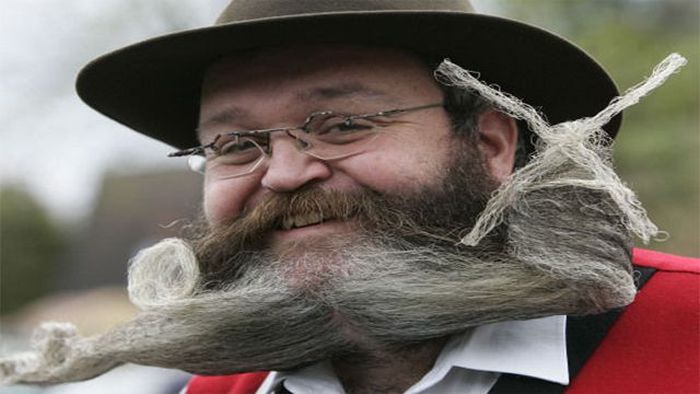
x,y
280,88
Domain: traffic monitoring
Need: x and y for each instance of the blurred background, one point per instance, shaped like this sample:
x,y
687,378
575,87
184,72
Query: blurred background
x,y
80,194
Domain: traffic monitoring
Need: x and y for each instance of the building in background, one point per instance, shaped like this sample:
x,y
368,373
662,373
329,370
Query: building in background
x,y
131,211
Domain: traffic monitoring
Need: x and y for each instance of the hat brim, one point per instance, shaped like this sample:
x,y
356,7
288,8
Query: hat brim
x,y
153,86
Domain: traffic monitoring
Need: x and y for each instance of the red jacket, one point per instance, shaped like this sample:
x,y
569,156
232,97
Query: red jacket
x,y
650,347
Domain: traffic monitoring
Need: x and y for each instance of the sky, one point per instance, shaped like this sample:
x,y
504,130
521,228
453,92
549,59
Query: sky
x,y
50,140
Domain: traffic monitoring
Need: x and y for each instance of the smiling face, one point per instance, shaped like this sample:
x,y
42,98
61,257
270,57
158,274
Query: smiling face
x,y
281,88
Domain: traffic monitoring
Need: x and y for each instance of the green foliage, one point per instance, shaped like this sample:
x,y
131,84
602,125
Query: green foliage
x,y
658,149
30,247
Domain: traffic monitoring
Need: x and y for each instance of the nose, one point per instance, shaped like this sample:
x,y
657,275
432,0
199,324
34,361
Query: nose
x,y
289,168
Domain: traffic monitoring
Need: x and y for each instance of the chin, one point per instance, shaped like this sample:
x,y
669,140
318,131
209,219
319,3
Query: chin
x,y
308,264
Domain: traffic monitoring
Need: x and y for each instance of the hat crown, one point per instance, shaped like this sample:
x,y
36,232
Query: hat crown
x,y
244,10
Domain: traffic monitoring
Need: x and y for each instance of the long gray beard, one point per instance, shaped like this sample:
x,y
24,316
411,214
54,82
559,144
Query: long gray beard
x,y
566,252
383,294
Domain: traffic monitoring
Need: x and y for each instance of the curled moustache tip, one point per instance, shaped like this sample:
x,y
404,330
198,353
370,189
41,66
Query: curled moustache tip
x,y
580,142
162,274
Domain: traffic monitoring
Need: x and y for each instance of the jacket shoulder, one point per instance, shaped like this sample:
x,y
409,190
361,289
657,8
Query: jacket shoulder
x,y
665,261
653,346
242,383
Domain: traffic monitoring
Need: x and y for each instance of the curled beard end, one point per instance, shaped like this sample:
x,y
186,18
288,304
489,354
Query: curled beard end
x,y
59,355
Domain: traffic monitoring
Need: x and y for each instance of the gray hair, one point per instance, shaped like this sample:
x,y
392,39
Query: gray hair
x,y
464,107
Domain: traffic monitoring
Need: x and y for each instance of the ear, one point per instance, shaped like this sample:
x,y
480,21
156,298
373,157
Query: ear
x,y
498,139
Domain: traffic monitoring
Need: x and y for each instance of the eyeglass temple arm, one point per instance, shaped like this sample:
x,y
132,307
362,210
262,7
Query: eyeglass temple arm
x,y
197,149
401,110
187,152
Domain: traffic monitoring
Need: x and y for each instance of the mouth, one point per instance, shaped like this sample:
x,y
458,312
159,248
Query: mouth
x,y
303,220
308,226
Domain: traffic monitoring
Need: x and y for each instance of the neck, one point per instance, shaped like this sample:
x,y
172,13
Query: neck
x,y
387,371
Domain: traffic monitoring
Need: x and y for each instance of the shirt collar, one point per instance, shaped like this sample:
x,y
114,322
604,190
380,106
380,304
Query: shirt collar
x,y
317,378
535,348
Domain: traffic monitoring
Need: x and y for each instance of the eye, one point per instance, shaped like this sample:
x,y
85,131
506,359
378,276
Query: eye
x,y
236,147
236,150
352,124
329,124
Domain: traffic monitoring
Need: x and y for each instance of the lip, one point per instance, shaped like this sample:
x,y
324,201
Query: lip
x,y
326,228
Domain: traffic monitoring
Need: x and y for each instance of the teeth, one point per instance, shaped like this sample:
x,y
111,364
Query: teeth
x,y
301,220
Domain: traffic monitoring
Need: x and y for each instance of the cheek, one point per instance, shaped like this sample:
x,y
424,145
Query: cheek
x,y
395,168
225,199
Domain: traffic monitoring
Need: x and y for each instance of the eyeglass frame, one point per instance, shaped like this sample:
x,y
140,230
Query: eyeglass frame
x,y
201,149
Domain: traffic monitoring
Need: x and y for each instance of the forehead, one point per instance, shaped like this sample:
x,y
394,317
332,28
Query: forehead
x,y
298,61
300,75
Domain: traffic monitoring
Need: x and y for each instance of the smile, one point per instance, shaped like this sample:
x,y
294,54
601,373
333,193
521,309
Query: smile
x,y
296,221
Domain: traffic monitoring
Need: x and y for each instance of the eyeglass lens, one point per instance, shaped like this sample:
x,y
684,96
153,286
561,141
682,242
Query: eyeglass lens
x,y
326,136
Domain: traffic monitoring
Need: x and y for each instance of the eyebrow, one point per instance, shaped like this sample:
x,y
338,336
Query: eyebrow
x,y
232,113
342,90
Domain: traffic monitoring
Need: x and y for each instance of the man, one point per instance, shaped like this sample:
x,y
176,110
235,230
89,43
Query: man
x,y
339,178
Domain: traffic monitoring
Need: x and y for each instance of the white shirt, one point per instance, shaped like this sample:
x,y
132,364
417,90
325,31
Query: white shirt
x,y
469,363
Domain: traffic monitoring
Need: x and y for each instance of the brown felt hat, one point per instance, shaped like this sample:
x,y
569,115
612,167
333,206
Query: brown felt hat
x,y
153,86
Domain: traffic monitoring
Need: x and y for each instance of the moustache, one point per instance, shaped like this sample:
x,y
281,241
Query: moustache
x,y
278,211
216,247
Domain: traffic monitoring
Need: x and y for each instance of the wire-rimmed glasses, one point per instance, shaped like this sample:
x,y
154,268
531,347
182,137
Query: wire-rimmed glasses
x,y
326,135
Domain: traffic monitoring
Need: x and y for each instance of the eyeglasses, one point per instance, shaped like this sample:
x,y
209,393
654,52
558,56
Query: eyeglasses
x,y
326,135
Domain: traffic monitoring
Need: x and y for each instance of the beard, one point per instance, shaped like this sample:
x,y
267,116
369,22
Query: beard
x,y
432,216
224,302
